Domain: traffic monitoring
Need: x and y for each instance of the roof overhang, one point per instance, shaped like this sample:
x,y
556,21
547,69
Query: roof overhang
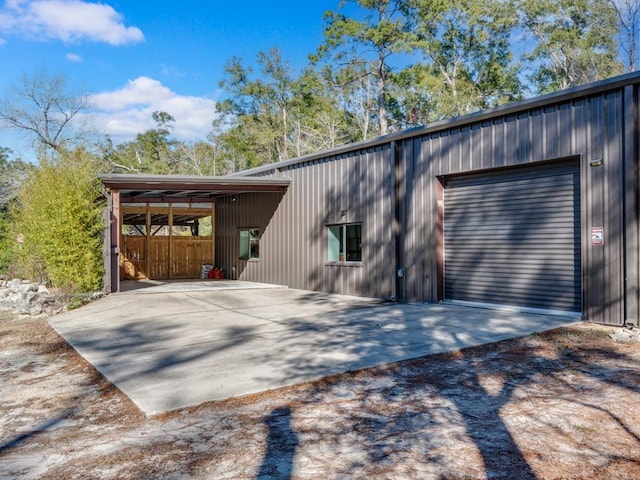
x,y
184,188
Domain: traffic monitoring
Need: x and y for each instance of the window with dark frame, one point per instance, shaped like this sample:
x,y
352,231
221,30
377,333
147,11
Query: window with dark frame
x,y
249,243
345,242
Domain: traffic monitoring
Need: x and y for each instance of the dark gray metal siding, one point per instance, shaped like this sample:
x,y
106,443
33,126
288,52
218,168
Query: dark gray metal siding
x,y
591,123
512,237
591,128
293,246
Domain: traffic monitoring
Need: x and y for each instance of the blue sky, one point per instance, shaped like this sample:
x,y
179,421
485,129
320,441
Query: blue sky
x,y
135,57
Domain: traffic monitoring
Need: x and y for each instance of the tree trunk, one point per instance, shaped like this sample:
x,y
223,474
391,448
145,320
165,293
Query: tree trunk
x,y
382,101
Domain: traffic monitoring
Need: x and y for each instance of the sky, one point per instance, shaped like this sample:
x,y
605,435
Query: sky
x,y
138,56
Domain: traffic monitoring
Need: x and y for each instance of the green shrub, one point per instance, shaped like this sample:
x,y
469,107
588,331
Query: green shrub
x,y
59,212
6,245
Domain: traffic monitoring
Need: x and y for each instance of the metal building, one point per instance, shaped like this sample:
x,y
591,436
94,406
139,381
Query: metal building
x,y
533,205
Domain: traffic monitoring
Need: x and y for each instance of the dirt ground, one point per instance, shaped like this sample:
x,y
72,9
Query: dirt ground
x,y
558,405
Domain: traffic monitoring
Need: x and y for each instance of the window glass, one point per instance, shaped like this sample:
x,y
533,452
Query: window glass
x,y
353,247
249,243
345,243
335,243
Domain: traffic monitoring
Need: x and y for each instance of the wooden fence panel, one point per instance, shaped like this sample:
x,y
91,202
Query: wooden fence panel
x,y
189,254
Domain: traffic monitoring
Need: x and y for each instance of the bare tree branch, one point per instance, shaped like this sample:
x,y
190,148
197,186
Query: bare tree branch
x,y
43,107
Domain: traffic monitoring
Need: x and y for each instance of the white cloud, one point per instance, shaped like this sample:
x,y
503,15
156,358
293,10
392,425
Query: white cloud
x,y
67,20
126,112
72,57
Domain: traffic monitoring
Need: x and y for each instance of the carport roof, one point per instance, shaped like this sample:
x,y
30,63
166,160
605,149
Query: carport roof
x,y
179,188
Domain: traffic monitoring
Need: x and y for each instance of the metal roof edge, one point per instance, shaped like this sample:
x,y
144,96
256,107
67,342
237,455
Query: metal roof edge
x,y
580,91
121,179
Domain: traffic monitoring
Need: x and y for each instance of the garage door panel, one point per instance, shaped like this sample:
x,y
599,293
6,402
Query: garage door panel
x,y
513,237
530,280
511,192
519,271
543,302
487,210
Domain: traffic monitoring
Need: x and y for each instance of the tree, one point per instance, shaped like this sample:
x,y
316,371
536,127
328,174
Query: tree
x,y
356,95
628,14
12,173
262,105
321,118
59,211
468,61
200,158
152,151
367,45
45,108
575,41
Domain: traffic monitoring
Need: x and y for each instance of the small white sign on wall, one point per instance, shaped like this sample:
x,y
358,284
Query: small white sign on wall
x,y
597,236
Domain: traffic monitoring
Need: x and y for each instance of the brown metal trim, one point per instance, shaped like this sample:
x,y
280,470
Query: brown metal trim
x,y
115,241
439,189
630,169
186,183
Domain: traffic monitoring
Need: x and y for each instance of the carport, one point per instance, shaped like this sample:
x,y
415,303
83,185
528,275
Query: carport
x,y
180,344
173,204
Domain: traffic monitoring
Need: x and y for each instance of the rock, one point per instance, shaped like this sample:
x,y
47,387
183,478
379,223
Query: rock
x,y
624,335
14,285
27,287
31,298
96,295
22,307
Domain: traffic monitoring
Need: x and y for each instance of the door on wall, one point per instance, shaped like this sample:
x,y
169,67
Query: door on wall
x,y
512,237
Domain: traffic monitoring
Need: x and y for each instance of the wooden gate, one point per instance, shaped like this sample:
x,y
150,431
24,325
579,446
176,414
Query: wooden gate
x,y
166,256
188,254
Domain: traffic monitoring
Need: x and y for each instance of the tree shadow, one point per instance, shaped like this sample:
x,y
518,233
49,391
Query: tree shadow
x,y
281,441
19,440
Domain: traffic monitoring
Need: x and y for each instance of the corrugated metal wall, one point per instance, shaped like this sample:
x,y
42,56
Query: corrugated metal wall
x,y
513,237
349,188
593,126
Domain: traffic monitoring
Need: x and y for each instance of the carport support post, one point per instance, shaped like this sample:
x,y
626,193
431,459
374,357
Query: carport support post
x,y
170,240
147,247
213,233
116,227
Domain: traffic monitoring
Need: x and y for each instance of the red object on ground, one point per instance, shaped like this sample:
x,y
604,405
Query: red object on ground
x,y
216,274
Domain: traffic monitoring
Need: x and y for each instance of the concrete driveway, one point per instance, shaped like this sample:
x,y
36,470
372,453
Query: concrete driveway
x,y
178,345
